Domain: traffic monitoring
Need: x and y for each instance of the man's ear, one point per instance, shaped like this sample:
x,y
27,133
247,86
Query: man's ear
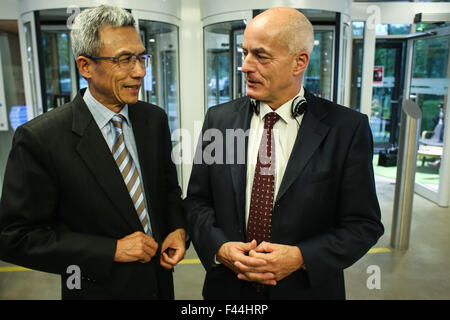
x,y
301,62
84,66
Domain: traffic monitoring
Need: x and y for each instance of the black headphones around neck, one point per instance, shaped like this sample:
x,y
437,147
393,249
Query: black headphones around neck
x,y
297,109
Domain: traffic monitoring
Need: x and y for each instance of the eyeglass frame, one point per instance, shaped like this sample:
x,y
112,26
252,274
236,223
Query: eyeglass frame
x,y
117,59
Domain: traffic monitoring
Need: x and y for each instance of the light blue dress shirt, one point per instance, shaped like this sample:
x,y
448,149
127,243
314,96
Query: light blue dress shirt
x,y
102,116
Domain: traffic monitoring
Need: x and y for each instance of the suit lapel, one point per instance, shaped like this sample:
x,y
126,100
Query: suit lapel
x,y
311,133
94,151
243,117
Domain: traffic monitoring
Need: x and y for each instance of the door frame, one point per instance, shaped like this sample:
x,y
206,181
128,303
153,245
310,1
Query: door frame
x,y
31,78
3,110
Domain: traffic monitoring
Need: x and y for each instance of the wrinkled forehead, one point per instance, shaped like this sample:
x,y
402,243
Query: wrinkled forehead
x,y
116,40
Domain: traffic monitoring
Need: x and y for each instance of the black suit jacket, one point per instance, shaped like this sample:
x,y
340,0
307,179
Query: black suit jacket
x,y
326,205
65,203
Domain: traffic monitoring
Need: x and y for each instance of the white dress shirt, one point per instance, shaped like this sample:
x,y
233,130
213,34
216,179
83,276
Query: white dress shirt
x,y
285,133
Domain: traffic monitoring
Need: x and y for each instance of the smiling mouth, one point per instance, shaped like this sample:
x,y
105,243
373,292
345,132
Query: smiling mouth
x,y
134,90
136,87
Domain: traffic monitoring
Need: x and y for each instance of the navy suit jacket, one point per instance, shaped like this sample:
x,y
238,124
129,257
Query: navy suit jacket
x,y
326,205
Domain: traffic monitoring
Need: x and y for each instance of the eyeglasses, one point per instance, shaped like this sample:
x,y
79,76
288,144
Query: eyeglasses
x,y
127,62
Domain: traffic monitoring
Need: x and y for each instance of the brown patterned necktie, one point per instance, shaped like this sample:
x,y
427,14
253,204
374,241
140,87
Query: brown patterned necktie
x,y
261,202
129,173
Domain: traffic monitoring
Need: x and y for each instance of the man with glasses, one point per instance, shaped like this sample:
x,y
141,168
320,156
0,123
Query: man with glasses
x,y
90,191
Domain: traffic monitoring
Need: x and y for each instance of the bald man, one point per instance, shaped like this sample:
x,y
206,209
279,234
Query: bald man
x,y
284,222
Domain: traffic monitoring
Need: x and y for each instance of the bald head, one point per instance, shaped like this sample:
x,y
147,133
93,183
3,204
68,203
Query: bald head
x,y
289,26
276,47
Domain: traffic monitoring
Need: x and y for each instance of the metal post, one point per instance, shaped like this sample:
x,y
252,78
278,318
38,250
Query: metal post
x,y
406,171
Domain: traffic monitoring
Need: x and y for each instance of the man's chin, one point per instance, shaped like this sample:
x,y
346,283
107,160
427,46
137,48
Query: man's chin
x,y
132,100
258,97
252,94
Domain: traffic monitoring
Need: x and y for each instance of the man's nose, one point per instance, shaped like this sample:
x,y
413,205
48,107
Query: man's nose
x,y
247,65
138,70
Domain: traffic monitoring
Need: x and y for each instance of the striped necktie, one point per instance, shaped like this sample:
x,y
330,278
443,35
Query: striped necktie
x,y
129,172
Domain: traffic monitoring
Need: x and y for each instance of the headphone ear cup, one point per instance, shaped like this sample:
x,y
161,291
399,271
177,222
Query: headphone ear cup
x,y
255,106
299,108
295,111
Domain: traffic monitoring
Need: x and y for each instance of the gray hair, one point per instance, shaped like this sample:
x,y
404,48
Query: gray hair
x,y
85,36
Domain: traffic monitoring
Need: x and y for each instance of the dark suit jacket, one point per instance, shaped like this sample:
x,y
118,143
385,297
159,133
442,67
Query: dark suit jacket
x,y
65,203
326,205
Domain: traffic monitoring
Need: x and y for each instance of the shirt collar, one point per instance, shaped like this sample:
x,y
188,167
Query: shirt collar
x,y
283,111
102,115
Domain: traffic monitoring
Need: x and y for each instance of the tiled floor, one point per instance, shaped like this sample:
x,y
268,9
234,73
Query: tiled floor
x,y
421,272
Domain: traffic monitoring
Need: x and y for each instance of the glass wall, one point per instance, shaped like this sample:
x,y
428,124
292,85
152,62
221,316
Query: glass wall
x,y
391,29
429,87
161,84
12,100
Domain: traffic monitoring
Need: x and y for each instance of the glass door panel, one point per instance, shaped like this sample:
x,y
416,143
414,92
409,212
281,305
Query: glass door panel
x,y
386,99
223,62
57,60
356,74
429,88
319,75
13,110
58,71
161,84
218,87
